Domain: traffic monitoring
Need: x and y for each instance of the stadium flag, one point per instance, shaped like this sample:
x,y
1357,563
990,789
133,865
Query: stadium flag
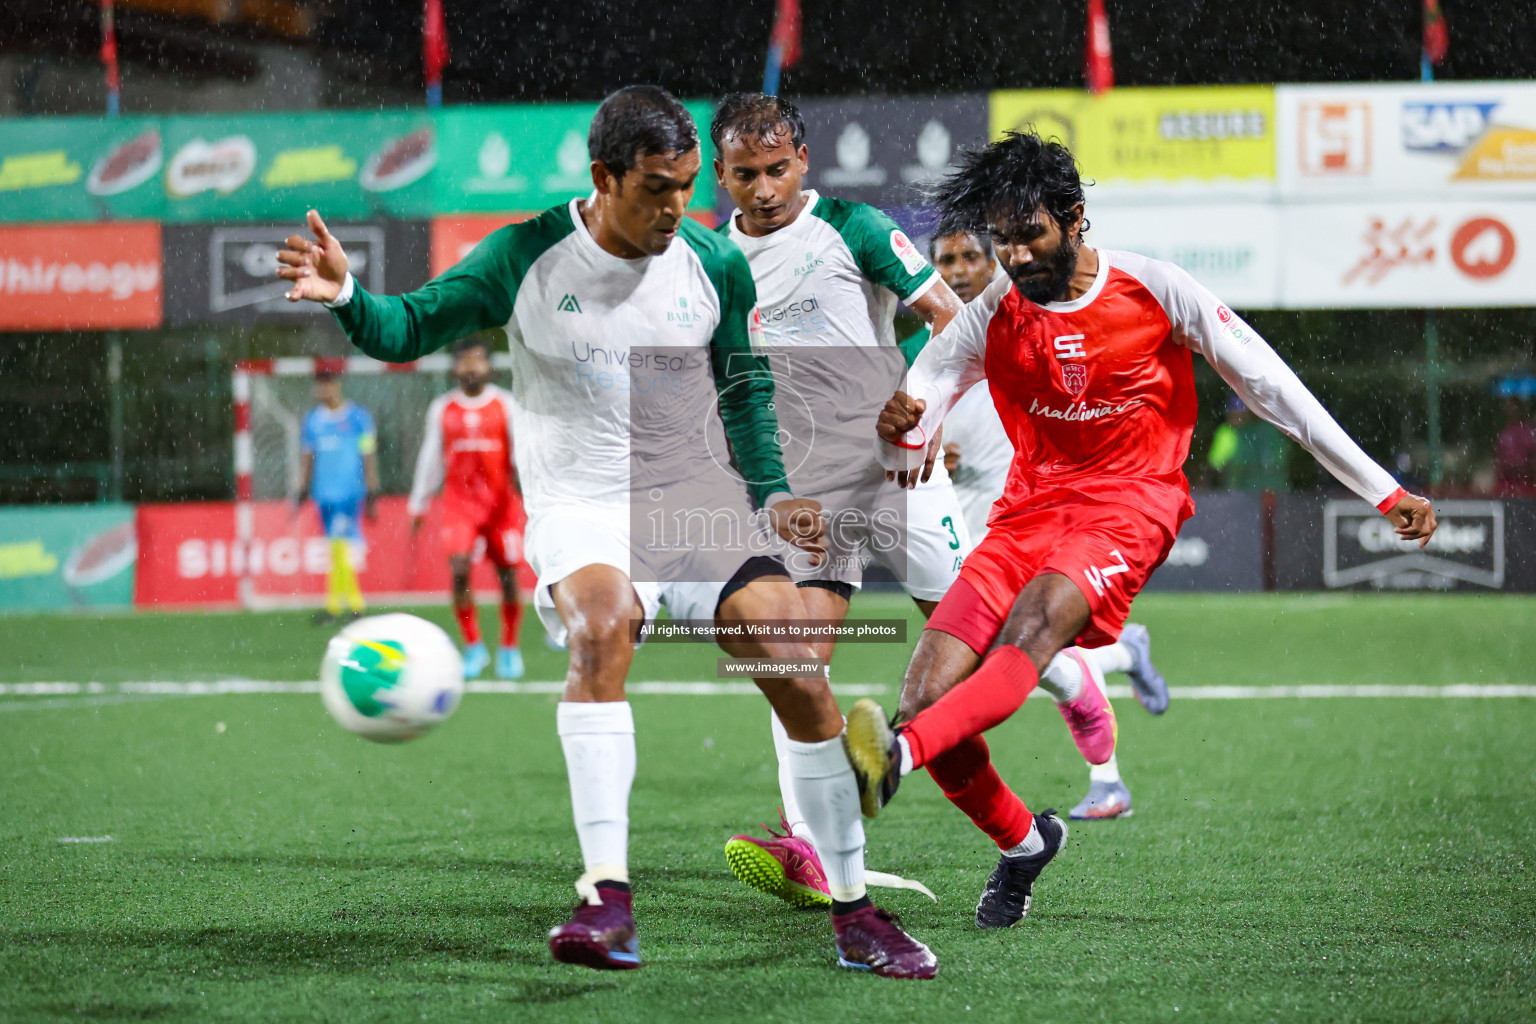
x,y
1437,39
434,50
109,56
783,44
1098,68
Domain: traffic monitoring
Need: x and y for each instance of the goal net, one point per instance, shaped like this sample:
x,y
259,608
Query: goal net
x,y
282,560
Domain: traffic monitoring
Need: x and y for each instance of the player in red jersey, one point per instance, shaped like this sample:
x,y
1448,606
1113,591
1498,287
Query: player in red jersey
x,y
467,451
1088,355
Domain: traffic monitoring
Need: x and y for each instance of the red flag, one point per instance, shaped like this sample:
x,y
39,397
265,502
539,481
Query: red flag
x,y
1437,38
1097,66
786,31
434,43
109,54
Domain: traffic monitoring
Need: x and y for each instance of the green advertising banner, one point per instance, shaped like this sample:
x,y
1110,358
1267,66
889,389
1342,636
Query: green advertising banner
x,y
406,164
80,168
67,556
529,157
276,166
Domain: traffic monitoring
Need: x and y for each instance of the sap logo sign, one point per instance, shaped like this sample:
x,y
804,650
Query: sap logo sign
x,y
1444,127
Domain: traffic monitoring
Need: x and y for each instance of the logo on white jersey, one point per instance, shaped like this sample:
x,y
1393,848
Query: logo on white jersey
x,y
683,316
569,304
757,335
1101,578
905,251
812,261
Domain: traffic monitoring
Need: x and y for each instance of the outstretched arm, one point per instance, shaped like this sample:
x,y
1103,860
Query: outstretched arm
x,y
1275,394
472,296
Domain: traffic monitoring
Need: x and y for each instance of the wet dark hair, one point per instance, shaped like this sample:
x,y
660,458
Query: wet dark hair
x,y
1013,176
757,117
469,343
947,228
637,121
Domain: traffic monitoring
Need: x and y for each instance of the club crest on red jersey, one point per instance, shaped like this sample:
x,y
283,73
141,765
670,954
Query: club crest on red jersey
x,y
1075,377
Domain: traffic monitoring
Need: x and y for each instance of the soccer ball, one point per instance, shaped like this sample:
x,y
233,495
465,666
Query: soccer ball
x,y
391,678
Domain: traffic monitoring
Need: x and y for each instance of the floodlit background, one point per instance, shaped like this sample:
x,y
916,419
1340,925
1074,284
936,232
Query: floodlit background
x,y
1333,822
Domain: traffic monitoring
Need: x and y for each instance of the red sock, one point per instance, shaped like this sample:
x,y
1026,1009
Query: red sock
x,y
967,777
511,622
992,693
469,621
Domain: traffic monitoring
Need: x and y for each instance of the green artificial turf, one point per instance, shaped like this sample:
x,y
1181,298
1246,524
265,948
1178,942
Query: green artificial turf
x,y
1296,860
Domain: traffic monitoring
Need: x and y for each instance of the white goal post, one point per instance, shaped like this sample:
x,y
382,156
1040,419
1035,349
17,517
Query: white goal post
x,y
271,399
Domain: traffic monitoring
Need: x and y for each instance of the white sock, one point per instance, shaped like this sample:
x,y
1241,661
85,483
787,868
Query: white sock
x,y
1114,658
906,755
829,798
1109,771
1062,678
1032,844
791,804
599,744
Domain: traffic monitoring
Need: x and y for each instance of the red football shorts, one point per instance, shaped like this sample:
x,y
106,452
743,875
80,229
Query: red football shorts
x,y
501,530
1109,551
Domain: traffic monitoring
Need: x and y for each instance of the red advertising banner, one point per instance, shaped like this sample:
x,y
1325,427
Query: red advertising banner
x,y
189,555
453,237
80,276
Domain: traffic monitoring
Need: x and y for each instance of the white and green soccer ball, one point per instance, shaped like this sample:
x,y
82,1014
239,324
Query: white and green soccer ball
x,y
391,678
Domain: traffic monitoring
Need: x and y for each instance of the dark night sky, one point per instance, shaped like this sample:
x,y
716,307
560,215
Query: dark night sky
x,y
582,50
530,49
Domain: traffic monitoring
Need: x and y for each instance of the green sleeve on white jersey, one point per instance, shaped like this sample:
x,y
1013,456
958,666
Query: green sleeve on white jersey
x,y
475,294
885,255
742,375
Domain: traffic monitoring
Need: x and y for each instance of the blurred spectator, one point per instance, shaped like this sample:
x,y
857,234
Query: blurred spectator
x,y
1248,454
1515,453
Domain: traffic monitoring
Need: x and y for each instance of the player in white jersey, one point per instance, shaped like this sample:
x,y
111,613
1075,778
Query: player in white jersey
x,y
633,368
829,275
978,453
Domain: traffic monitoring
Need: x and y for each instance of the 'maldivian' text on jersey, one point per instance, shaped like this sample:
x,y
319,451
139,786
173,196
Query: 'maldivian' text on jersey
x,y
1098,393
827,287
467,451
603,349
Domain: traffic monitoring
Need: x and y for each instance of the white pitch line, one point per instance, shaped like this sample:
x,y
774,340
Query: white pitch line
x,y
63,695
1323,691
85,839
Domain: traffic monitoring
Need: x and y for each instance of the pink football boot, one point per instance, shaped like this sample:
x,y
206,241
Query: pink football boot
x,y
784,865
1089,716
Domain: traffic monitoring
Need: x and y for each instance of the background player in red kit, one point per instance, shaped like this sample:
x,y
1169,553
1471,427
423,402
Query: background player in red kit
x,y
467,451
1088,355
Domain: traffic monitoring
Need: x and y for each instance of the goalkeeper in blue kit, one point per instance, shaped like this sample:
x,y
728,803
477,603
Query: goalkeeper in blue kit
x,y
340,470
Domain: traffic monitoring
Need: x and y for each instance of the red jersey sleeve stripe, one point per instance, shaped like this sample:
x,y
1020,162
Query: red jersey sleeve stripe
x,y
1392,499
